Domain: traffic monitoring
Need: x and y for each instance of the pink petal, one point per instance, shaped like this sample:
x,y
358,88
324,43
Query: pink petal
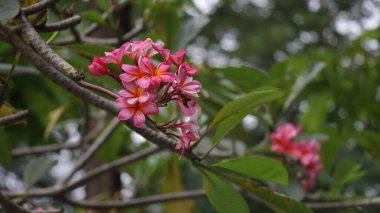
x,y
125,77
130,69
181,76
152,97
167,77
147,65
132,100
126,113
131,87
149,108
125,93
192,87
162,68
138,119
143,82
121,102
144,97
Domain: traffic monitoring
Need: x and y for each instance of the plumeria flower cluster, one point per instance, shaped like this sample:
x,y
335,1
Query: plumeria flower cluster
x,y
153,78
305,152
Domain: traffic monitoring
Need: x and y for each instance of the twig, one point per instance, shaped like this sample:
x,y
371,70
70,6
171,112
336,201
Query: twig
x,y
61,25
97,88
14,117
345,203
11,206
94,147
136,201
61,188
45,51
35,8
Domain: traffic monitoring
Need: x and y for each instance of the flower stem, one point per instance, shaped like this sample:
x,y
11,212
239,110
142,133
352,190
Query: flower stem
x,y
97,88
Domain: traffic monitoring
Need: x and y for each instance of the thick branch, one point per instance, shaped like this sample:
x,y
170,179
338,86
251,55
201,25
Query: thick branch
x,y
94,147
45,51
10,206
14,117
61,25
37,7
137,201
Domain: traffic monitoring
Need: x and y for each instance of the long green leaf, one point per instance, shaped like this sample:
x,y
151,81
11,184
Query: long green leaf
x,y
89,50
233,112
249,101
279,203
223,197
261,168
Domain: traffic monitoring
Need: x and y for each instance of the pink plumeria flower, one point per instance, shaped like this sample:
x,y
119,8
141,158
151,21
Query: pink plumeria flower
x,y
165,53
115,56
132,93
178,57
186,84
191,127
184,143
285,132
132,73
161,73
136,112
189,70
141,48
98,67
188,107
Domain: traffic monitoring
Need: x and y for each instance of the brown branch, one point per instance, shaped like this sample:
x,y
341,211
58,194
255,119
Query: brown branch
x,y
62,187
11,206
94,147
61,25
37,7
345,203
13,117
136,201
45,51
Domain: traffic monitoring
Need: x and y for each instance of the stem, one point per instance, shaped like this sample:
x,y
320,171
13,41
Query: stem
x,y
97,88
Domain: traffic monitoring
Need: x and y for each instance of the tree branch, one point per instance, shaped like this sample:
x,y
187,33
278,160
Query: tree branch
x,y
45,51
94,147
65,187
345,203
11,206
136,201
61,25
37,7
14,117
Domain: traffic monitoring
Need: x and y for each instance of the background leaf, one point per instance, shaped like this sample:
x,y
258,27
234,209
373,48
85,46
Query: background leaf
x,y
261,168
36,169
8,10
222,195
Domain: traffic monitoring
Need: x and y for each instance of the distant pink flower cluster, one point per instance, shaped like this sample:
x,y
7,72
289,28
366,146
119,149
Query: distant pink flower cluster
x,y
306,152
148,85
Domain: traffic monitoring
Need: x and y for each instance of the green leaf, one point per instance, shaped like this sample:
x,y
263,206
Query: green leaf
x,y
316,112
8,10
370,142
302,81
249,101
189,29
89,50
279,203
102,4
223,197
347,172
261,168
37,169
233,112
330,149
167,24
93,16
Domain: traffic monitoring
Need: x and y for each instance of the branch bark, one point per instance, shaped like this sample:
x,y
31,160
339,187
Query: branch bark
x,y
14,117
11,206
37,7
